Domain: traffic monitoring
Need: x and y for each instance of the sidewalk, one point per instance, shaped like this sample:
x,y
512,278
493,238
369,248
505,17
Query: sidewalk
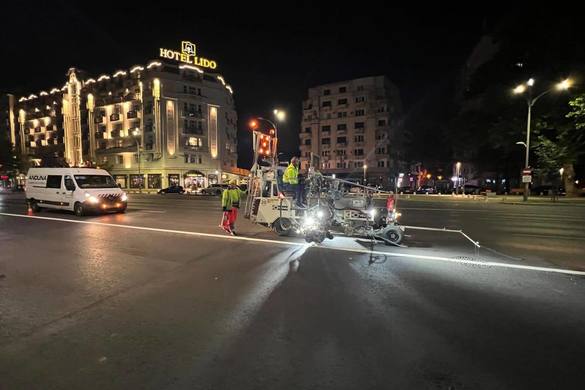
x,y
501,199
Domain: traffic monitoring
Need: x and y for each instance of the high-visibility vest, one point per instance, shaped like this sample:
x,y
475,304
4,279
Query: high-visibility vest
x,y
291,175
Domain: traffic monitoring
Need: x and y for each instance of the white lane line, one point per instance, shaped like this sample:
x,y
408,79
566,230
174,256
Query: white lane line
x,y
151,229
302,244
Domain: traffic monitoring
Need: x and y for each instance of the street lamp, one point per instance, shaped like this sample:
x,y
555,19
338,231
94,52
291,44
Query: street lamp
x,y
458,174
365,170
280,115
136,134
530,101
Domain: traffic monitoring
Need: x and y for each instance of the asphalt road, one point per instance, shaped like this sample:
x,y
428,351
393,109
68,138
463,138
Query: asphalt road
x,y
159,298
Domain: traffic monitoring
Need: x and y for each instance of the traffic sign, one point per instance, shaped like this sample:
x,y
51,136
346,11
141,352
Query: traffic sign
x,y
526,178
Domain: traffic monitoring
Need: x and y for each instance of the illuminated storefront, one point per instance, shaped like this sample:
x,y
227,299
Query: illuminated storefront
x,y
171,121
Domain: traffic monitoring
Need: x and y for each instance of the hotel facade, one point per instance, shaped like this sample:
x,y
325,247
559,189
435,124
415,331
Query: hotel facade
x,y
353,127
171,121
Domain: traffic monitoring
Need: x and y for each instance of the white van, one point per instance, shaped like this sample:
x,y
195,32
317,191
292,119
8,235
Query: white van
x,y
80,190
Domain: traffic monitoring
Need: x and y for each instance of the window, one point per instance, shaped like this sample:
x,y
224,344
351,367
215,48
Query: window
x,y
191,159
360,88
380,150
360,99
340,152
194,141
381,164
326,128
358,138
342,114
360,112
95,181
53,181
381,136
325,141
136,181
121,180
358,152
342,89
173,180
308,142
307,130
341,140
69,183
325,153
382,122
358,164
359,125
326,103
342,126
339,165
119,159
154,180
341,101
326,92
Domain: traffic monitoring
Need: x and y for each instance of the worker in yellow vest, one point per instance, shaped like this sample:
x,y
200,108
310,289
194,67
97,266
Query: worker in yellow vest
x,y
291,181
230,203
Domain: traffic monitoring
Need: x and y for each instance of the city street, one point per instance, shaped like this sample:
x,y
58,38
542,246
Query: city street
x,y
161,298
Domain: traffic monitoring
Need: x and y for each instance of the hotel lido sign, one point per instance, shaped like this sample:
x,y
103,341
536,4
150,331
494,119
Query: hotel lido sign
x,y
188,55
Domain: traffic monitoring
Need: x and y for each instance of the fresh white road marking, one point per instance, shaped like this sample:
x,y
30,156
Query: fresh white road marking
x,y
302,244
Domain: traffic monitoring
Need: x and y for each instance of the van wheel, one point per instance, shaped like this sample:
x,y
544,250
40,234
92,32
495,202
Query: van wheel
x,y
78,209
34,206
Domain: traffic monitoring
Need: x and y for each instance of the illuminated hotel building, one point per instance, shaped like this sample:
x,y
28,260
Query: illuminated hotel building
x,y
353,127
158,124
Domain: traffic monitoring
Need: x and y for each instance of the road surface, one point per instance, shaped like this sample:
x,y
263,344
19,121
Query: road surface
x,y
160,298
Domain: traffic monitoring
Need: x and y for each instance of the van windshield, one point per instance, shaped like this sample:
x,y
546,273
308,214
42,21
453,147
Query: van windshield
x,y
95,181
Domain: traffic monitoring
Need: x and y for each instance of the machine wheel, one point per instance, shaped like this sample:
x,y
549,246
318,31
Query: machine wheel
x,y
282,226
394,235
78,209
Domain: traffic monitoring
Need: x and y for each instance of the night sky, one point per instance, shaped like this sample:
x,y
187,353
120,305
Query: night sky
x,y
269,54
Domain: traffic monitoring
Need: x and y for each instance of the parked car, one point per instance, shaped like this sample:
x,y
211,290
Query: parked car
x,y
214,189
172,190
470,189
426,190
546,190
405,190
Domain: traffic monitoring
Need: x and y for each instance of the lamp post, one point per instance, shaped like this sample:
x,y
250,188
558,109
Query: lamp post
x,y
136,133
530,101
458,175
365,171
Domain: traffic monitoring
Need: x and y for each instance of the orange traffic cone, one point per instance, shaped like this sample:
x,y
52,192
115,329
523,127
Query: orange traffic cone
x,y
30,210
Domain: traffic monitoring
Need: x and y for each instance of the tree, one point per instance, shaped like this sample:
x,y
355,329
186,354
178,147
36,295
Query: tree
x,y
561,143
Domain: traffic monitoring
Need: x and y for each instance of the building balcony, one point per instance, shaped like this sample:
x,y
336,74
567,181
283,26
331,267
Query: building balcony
x,y
341,145
193,114
359,131
193,130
